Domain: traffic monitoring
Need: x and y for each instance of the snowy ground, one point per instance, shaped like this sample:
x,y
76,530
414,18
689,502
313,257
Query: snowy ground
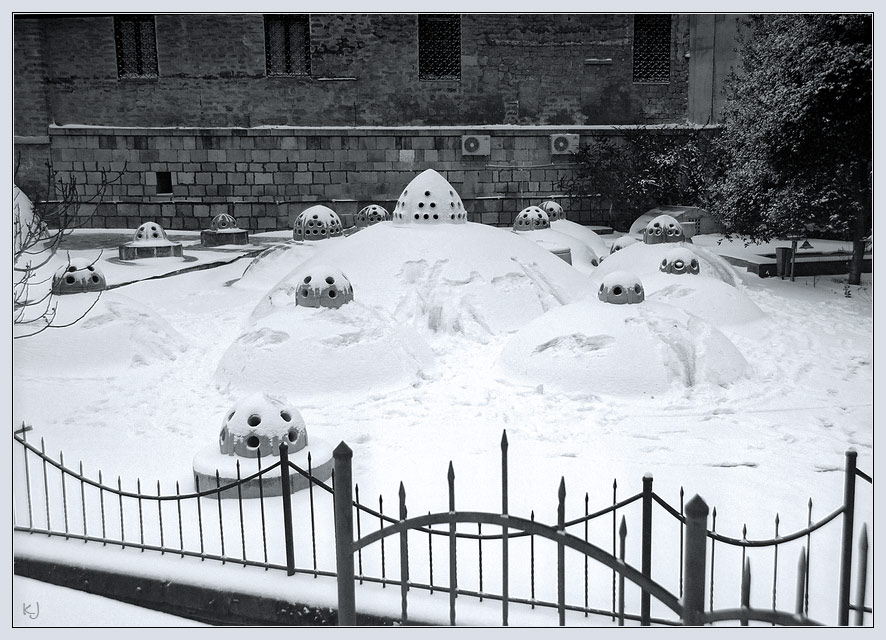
x,y
763,445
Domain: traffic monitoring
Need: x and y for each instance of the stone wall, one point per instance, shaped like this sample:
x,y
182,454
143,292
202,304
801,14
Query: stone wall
x,y
515,69
266,176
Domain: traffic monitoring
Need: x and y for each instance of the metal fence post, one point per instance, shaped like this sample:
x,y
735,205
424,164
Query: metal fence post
x,y
694,561
344,535
646,566
846,548
287,509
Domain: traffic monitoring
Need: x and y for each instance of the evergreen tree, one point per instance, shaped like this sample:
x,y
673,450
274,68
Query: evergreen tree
x,y
796,146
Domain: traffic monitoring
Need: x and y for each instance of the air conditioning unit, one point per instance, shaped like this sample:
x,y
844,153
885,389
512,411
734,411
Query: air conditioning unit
x,y
475,145
563,143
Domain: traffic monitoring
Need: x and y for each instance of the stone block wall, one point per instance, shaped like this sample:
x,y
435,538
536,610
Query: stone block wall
x,y
267,176
515,69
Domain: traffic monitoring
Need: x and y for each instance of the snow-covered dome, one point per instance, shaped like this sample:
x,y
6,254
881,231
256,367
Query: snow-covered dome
x,y
78,276
645,260
305,352
323,286
580,232
370,215
623,350
429,199
258,424
223,222
621,287
150,234
553,209
663,229
679,261
531,218
316,223
621,243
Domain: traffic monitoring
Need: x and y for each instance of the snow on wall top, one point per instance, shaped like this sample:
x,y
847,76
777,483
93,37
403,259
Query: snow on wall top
x,y
429,199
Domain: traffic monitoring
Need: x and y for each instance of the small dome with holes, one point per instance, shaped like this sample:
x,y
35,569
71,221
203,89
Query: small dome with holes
x,y
323,286
316,223
429,199
78,276
621,243
370,215
224,222
680,261
553,209
532,218
621,287
258,425
663,229
150,233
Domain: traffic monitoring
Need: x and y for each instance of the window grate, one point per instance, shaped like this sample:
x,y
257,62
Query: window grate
x,y
136,43
287,45
439,47
652,48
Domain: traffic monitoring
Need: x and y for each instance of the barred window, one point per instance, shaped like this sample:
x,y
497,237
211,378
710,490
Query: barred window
x,y
652,48
287,45
136,43
439,47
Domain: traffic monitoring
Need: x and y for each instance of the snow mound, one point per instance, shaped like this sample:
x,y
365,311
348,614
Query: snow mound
x,y
580,232
645,260
302,352
584,258
117,333
468,279
634,350
266,269
708,298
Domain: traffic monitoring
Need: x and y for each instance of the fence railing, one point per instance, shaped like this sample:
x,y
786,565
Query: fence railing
x,y
204,524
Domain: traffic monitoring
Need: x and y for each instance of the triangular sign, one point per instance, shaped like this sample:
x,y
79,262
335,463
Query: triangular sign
x,y
806,245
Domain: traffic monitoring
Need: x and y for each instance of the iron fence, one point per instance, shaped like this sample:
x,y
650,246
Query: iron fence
x,y
76,507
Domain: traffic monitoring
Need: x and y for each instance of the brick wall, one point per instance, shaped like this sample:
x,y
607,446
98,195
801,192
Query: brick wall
x,y
265,176
516,68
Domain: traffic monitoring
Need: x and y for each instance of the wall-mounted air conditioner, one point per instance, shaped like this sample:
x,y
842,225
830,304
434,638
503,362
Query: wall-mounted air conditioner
x,y
564,143
475,145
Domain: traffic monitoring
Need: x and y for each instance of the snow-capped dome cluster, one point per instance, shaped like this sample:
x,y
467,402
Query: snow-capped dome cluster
x,y
150,233
78,276
316,223
258,425
323,286
429,199
621,287
663,229
553,209
621,243
370,215
680,261
532,218
223,222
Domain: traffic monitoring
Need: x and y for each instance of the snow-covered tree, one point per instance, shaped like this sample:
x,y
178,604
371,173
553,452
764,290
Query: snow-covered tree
x,y
797,136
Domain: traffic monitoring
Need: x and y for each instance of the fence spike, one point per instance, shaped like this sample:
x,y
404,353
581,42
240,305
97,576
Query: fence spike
x,y
801,582
861,587
746,588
